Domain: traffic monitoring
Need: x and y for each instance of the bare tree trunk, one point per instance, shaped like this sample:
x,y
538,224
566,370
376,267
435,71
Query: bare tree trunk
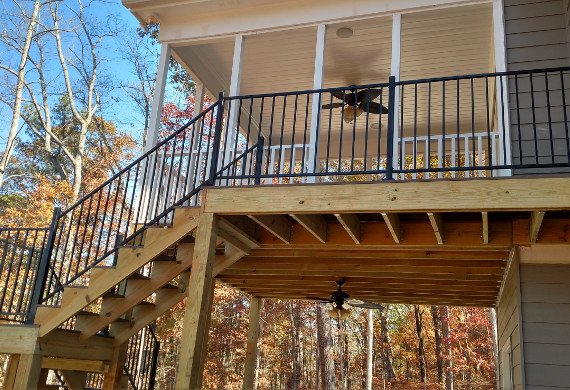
x,y
295,324
324,342
387,358
421,348
444,319
437,336
493,320
20,73
370,350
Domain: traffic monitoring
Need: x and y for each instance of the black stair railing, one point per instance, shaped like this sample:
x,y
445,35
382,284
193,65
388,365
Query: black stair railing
x,y
142,194
20,254
142,359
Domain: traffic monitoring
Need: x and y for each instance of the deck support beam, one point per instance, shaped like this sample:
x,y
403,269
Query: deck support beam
x,y
24,371
318,77
198,306
252,348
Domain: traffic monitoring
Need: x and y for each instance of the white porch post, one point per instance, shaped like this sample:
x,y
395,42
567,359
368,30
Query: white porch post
x,y
158,98
499,39
315,109
395,71
235,82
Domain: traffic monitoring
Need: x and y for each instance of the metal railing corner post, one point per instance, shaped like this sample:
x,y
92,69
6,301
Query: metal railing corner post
x,y
390,130
43,267
259,160
217,139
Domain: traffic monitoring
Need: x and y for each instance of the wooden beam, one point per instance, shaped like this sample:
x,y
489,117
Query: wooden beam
x,y
231,255
18,339
24,372
198,305
315,224
68,344
351,224
114,376
100,366
278,225
541,194
236,236
485,220
252,350
536,218
437,224
393,222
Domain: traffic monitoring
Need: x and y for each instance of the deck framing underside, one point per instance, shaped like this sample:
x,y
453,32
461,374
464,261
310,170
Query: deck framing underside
x,y
444,242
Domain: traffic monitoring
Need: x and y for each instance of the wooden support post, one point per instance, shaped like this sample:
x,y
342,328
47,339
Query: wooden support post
x,y
318,77
198,306
151,138
113,378
536,218
23,372
252,350
437,225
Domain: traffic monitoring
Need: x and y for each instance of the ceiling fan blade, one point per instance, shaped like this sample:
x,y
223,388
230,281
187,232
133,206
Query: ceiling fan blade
x,y
332,105
367,95
349,97
319,300
373,108
364,304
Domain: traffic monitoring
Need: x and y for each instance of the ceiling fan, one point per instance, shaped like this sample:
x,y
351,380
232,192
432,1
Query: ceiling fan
x,y
355,103
340,297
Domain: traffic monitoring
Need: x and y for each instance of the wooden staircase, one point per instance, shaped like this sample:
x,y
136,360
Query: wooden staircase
x,y
127,310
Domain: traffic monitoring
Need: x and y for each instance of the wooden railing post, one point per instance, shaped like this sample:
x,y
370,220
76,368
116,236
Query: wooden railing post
x,y
43,267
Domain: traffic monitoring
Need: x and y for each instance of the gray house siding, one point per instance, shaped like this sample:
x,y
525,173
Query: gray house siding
x,y
537,37
545,296
508,327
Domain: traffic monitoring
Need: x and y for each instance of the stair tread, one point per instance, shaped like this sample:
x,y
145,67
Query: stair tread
x,y
138,276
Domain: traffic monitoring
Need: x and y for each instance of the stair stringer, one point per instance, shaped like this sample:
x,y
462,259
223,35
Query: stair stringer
x,y
166,302
137,290
129,260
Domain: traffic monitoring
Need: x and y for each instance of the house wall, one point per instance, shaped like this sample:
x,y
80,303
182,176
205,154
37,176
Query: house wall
x,y
509,327
537,37
545,296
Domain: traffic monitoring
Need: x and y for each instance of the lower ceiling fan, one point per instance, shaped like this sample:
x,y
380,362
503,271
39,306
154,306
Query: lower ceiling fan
x,y
355,103
340,297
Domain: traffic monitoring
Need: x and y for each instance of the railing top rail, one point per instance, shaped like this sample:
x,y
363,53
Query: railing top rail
x,y
142,157
307,91
401,82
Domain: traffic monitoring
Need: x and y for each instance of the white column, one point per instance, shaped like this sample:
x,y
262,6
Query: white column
x,y
235,82
158,98
395,71
499,39
315,109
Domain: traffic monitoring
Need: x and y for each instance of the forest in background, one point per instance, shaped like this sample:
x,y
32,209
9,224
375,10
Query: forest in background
x,y
62,138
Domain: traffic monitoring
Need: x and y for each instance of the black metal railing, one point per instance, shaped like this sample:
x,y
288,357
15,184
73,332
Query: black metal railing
x,y
142,194
142,358
462,126
20,253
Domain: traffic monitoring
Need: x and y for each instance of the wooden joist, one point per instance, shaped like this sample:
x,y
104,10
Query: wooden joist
x,y
536,218
436,221
351,224
314,224
87,365
393,222
278,225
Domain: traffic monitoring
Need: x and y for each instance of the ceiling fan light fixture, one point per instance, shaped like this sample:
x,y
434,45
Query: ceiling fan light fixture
x,y
341,313
344,32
